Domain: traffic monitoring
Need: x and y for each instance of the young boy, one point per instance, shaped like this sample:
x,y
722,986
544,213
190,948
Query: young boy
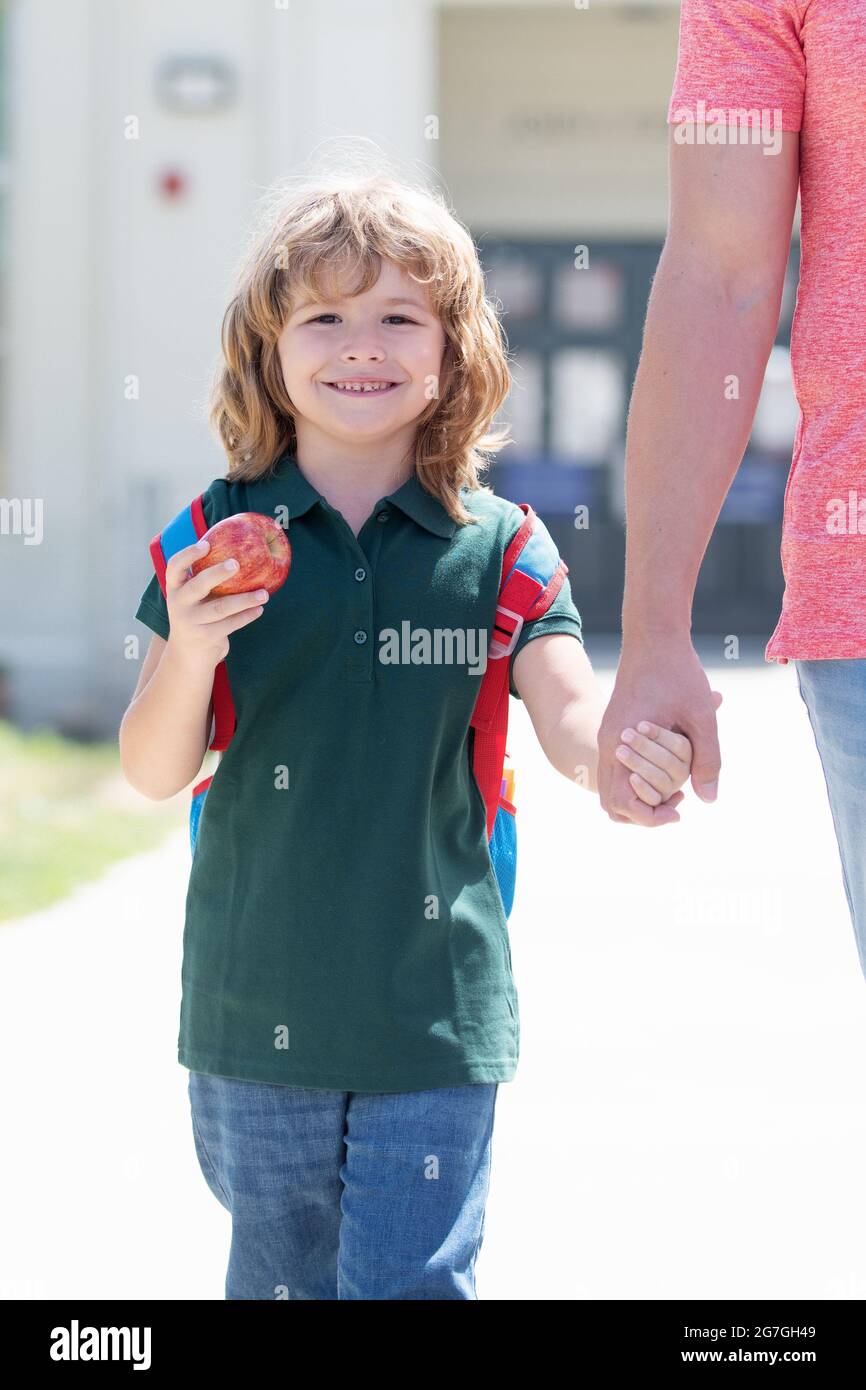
x,y
348,1002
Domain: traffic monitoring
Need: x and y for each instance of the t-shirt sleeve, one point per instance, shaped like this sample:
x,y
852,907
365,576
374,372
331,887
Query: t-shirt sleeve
x,y
737,55
561,616
152,608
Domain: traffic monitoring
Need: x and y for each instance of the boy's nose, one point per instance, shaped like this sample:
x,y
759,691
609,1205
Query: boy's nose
x,y
354,354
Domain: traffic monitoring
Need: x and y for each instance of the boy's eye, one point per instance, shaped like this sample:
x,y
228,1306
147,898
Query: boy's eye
x,y
319,317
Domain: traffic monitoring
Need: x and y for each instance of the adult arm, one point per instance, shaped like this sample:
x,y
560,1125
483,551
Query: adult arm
x,y
712,318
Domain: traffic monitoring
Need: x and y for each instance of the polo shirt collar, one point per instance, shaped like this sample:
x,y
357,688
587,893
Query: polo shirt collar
x,y
423,507
286,486
293,490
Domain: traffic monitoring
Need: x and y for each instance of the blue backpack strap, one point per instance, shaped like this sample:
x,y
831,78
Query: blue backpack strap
x,y
181,531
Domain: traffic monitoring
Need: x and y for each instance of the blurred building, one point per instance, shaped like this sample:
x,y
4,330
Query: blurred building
x,y
134,140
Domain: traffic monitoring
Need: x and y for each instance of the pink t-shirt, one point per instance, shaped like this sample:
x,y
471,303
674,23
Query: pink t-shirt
x,y
807,59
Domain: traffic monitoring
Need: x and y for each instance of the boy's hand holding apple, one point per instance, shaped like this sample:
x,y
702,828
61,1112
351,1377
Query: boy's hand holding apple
x,y
222,583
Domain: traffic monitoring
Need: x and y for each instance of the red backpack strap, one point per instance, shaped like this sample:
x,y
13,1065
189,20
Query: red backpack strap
x,y
532,575
183,530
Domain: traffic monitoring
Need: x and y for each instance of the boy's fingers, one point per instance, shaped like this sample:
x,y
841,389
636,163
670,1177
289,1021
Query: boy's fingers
x,y
215,610
177,566
637,812
651,795
200,585
677,744
650,816
648,754
628,809
647,816
199,588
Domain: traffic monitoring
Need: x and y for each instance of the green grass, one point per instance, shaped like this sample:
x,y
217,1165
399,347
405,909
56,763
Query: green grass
x,y
66,813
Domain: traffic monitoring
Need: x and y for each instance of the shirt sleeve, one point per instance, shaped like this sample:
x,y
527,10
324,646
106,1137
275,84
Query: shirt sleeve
x,y
561,616
737,55
152,608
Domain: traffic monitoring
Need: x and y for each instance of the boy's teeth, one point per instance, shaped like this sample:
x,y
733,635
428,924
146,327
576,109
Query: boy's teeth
x,y
363,386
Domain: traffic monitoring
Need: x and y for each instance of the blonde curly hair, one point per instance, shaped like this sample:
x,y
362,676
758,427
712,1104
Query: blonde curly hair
x,y
346,221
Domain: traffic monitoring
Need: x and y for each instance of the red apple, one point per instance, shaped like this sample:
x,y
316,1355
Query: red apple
x,y
260,546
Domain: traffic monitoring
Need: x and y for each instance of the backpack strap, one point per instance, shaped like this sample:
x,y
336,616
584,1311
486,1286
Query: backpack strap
x,y
532,576
185,529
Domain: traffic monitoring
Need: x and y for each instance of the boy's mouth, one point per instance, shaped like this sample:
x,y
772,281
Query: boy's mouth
x,y
360,387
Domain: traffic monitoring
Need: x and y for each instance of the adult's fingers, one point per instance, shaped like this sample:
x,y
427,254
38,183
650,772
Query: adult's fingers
x,y
706,757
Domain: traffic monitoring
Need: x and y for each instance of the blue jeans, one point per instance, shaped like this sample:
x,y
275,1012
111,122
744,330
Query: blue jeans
x,y
835,696
346,1194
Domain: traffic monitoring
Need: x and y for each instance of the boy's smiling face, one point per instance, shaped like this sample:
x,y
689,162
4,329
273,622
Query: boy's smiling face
x,y
363,368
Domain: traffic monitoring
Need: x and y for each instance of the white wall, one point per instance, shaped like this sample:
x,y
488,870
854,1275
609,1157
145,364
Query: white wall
x,y
110,281
44,590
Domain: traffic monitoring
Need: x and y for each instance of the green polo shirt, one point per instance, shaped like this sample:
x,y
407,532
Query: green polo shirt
x,y
344,927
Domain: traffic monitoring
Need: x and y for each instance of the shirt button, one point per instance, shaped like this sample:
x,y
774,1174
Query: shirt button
x,y
360,574
360,637
381,516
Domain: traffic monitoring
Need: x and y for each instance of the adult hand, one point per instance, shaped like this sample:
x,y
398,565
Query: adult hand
x,y
660,679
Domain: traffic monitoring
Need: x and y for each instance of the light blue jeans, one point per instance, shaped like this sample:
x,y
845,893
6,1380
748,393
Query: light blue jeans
x,y
835,696
346,1194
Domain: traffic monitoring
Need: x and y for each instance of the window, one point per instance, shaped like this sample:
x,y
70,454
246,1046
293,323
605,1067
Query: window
x,y
587,404
592,299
